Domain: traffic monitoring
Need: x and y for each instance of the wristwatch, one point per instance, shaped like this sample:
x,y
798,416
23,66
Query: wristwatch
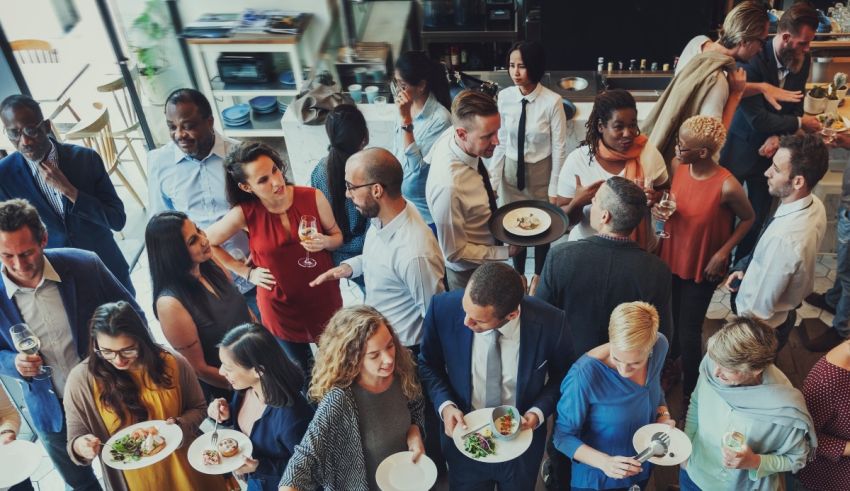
x,y
407,127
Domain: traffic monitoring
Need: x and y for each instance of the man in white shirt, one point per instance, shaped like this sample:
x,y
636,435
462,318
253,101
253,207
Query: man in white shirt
x,y
459,192
780,272
401,260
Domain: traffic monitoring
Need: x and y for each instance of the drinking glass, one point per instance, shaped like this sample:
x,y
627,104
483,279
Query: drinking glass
x,y
666,207
735,441
26,341
828,134
306,230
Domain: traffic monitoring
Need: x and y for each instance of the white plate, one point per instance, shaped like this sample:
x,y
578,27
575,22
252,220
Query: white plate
x,y
228,464
398,473
173,436
505,449
18,461
511,217
678,450
846,124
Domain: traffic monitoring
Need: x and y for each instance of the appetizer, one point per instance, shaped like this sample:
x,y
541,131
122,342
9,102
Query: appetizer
x,y
530,222
480,444
211,457
505,423
228,447
832,121
142,442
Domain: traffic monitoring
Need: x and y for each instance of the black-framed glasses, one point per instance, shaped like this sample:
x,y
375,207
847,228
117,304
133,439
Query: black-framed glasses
x,y
681,149
351,187
14,134
125,354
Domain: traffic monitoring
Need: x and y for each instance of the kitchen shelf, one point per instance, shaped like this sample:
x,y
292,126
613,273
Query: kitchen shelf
x,y
261,125
252,89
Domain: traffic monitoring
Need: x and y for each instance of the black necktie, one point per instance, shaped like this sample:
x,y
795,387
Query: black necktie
x,y
491,196
520,148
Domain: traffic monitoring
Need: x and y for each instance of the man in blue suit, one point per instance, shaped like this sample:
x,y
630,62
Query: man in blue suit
x,y
753,136
55,293
67,184
490,345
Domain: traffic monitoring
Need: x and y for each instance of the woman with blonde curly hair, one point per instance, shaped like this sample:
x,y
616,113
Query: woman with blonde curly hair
x,y
608,394
702,234
370,405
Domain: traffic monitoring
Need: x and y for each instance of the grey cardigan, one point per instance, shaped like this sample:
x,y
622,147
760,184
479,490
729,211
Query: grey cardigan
x,y
331,454
83,418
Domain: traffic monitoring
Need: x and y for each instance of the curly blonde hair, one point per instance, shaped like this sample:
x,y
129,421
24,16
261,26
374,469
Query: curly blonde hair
x,y
343,346
633,326
706,131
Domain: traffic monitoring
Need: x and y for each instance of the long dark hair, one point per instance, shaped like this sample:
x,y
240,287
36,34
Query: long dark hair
x,y
170,263
346,128
253,346
118,390
603,109
234,164
415,66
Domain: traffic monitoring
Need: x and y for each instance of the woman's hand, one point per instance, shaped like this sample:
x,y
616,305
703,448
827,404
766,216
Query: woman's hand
x,y
744,459
737,81
318,242
664,416
248,467
262,277
404,103
415,443
717,266
619,467
657,214
219,410
87,446
7,437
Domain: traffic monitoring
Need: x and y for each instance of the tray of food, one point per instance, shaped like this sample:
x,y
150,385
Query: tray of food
x,y
528,223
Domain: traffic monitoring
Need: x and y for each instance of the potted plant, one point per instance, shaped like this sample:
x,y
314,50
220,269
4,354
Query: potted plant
x,y
839,83
815,100
831,101
147,34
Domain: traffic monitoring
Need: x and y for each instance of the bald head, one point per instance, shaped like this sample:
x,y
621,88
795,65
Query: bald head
x,y
380,166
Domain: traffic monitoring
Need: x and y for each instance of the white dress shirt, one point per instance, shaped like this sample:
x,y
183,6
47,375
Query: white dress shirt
x,y
42,310
509,349
782,270
403,267
545,131
460,207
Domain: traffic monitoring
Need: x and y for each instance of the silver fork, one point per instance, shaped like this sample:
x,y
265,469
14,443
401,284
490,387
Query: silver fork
x,y
214,436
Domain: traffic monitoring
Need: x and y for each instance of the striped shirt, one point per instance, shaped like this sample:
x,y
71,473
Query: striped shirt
x,y
51,194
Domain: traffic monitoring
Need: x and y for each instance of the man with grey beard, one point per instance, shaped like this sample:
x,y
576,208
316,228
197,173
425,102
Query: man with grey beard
x,y
753,137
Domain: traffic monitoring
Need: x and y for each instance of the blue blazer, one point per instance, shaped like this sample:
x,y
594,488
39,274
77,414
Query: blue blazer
x,y
88,223
445,359
755,120
86,284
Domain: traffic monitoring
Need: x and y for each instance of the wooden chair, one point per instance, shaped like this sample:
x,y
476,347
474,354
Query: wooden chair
x,y
57,128
34,51
97,135
123,137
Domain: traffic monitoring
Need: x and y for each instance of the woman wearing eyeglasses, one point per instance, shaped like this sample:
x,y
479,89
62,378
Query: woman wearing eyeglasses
x,y
126,379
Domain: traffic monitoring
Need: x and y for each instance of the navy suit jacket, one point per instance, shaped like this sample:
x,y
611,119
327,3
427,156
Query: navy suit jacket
x,y
88,222
86,284
755,120
545,355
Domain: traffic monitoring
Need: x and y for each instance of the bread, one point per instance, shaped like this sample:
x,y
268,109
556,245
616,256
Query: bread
x,y
211,457
228,447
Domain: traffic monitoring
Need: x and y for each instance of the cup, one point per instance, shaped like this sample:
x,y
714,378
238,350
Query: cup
x,y
360,74
380,100
377,75
371,93
356,91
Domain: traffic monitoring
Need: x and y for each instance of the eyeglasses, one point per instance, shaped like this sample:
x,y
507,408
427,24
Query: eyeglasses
x,y
14,134
351,187
125,354
397,86
681,149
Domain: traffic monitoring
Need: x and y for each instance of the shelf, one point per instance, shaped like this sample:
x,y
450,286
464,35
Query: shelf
x,y
249,89
260,125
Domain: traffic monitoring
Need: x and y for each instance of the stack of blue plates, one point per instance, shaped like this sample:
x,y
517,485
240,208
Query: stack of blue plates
x,y
287,79
237,115
281,105
264,104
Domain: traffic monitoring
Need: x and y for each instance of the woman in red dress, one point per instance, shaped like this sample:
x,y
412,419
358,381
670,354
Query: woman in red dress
x,y
270,209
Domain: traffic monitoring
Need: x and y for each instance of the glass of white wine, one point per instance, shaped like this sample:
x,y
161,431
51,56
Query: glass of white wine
x,y
26,341
306,230
734,441
828,134
666,207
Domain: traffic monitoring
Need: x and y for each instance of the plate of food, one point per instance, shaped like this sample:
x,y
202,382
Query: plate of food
x,y
834,122
526,221
226,456
19,459
141,445
398,472
478,442
678,450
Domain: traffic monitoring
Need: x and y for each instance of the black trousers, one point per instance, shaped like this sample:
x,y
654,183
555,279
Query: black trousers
x,y
690,303
539,258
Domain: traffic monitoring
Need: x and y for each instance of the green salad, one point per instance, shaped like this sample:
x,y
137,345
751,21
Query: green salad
x,y
480,444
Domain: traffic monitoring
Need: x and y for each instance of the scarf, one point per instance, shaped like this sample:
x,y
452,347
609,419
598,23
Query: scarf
x,y
632,171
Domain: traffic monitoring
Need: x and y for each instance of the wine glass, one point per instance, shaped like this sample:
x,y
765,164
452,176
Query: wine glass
x,y
734,441
828,134
666,207
26,341
306,230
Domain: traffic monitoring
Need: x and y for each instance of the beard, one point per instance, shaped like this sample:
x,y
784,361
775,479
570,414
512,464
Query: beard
x,y
782,191
792,59
370,209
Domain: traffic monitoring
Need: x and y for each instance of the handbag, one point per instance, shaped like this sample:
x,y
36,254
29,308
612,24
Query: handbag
x,y
313,104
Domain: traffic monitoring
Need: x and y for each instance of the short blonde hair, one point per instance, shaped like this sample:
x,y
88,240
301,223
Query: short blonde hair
x,y
744,345
633,326
745,22
706,131
470,103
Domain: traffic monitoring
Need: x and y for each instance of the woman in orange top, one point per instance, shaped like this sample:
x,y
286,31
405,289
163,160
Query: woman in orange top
x,y
708,198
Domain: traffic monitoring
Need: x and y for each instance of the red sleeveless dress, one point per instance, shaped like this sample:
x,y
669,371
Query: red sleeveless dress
x,y
292,310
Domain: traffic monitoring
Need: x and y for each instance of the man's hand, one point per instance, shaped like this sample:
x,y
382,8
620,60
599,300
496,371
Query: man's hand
x,y
744,459
452,416
529,421
774,95
769,147
841,140
734,281
28,365
341,271
584,194
737,81
810,124
57,179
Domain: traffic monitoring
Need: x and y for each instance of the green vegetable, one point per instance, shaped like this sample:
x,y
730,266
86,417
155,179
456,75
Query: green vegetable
x,y
479,445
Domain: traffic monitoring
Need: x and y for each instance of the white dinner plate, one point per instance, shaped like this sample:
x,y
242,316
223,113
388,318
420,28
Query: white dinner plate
x,y
228,464
678,450
843,118
512,218
19,459
173,436
398,473
505,449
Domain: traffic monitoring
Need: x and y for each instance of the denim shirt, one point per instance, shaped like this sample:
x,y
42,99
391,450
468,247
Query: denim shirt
x,y
428,125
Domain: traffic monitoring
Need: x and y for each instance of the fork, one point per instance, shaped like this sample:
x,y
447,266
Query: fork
x,y
214,436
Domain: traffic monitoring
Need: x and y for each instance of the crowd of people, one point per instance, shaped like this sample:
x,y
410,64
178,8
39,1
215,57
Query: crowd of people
x,y
245,268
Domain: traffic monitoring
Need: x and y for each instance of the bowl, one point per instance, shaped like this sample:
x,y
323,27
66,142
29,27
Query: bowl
x,y
500,412
573,83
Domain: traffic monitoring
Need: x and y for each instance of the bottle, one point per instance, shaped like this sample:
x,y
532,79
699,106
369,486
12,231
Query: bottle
x,y
654,67
454,53
600,64
633,65
610,66
643,64
464,56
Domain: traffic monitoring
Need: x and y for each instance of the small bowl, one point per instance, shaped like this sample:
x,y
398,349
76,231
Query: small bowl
x,y
498,413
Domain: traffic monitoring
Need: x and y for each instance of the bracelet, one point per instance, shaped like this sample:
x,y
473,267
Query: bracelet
x,y
663,413
8,430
